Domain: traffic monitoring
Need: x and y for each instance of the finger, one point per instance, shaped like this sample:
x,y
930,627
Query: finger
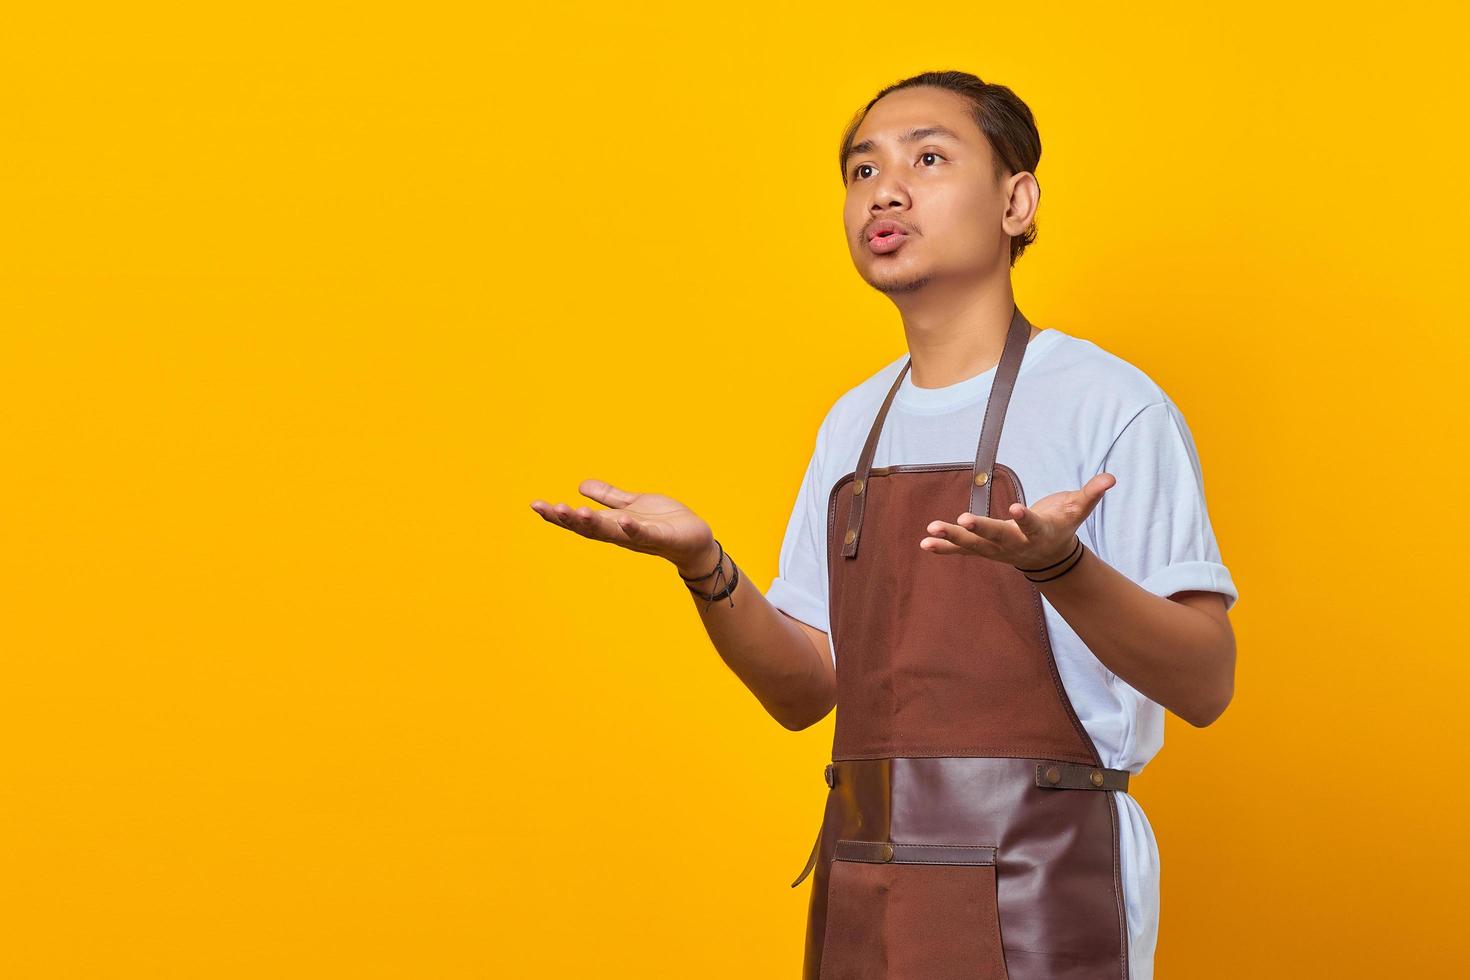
x,y
545,510
939,546
1094,488
605,493
553,517
640,534
1029,522
565,517
1002,534
1092,492
600,525
967,540
550,514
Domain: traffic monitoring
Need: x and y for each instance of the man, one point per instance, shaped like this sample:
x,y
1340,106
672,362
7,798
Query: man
x,y
999,633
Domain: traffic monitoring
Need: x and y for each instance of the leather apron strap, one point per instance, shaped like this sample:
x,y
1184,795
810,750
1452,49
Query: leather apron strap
x,y
1006,370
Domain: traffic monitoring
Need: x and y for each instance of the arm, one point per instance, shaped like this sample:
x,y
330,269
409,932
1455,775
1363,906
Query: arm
x,y
1178,651
1154,611
784,662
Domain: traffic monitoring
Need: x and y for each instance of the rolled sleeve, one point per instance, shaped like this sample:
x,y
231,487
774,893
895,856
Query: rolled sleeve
x,y
1192,576
796,602
799,588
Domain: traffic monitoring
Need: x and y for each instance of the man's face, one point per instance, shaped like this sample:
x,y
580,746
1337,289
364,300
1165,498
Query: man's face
x,y
941,190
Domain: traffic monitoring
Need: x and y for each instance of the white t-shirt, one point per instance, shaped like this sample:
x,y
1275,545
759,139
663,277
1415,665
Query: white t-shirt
x,y
1076,411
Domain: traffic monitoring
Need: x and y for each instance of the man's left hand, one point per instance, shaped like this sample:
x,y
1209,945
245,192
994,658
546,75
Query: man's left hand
x,y
1035,536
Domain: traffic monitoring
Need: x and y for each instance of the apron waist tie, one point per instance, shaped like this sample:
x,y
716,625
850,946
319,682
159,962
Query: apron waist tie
x,y
829,776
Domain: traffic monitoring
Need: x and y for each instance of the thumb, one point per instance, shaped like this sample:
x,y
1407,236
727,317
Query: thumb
x,y
1093,490
1097,486
605,493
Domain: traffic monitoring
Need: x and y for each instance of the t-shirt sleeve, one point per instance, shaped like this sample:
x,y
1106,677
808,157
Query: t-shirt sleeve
x,y
799,588
1152,524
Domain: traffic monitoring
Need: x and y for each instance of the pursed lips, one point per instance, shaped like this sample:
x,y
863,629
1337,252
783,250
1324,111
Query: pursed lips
x,y
886,236
884,229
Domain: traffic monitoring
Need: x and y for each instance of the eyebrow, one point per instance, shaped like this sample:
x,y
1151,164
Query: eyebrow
x,y
921,132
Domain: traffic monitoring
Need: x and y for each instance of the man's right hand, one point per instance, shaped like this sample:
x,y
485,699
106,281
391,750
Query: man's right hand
x,y
788,669
646,522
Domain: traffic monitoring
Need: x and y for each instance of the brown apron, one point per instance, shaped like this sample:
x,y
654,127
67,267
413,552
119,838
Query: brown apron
x,y
970,828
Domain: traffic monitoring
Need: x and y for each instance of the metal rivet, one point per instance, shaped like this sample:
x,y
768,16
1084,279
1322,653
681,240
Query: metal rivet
x,y
857,487
1097,777
980,479
849,537
1053,775
886,852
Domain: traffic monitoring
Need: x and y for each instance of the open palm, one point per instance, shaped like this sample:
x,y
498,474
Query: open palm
x,y
648,522
1033,537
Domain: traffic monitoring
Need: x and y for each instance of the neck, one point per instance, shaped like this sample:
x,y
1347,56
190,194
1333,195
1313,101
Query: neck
x,y
956,334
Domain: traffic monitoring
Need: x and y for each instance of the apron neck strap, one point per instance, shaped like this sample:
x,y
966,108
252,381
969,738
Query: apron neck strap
x,y
995,412
1009,366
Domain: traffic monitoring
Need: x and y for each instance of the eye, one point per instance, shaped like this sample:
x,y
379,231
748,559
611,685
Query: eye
x,y
856,171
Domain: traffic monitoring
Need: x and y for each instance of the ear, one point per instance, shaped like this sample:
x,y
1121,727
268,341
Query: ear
x,y
1023,196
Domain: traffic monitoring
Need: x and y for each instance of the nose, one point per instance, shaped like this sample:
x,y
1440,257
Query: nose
x,y
895,203
887,200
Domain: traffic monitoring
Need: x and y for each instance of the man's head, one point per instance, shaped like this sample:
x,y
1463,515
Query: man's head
x,y
949,161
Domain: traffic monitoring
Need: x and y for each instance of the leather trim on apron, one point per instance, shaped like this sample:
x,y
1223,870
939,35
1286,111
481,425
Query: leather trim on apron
x,y
969,828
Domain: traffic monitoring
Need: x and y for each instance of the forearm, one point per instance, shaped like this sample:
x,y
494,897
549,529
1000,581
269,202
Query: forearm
x,y
768,651
1171,653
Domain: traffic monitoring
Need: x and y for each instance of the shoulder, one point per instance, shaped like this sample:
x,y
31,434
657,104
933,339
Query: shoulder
x,y
857,405
1092,389
1098,374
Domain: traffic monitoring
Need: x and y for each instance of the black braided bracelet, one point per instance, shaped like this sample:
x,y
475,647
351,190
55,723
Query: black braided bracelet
x,y
724,593
711,597
719,563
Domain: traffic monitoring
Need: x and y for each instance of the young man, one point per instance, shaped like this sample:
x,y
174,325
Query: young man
x,y
999,628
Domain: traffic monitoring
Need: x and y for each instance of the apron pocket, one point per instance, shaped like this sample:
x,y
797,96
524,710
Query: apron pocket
x,y
899,911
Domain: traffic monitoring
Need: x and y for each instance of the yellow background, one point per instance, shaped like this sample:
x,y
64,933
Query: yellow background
x,y
303,304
